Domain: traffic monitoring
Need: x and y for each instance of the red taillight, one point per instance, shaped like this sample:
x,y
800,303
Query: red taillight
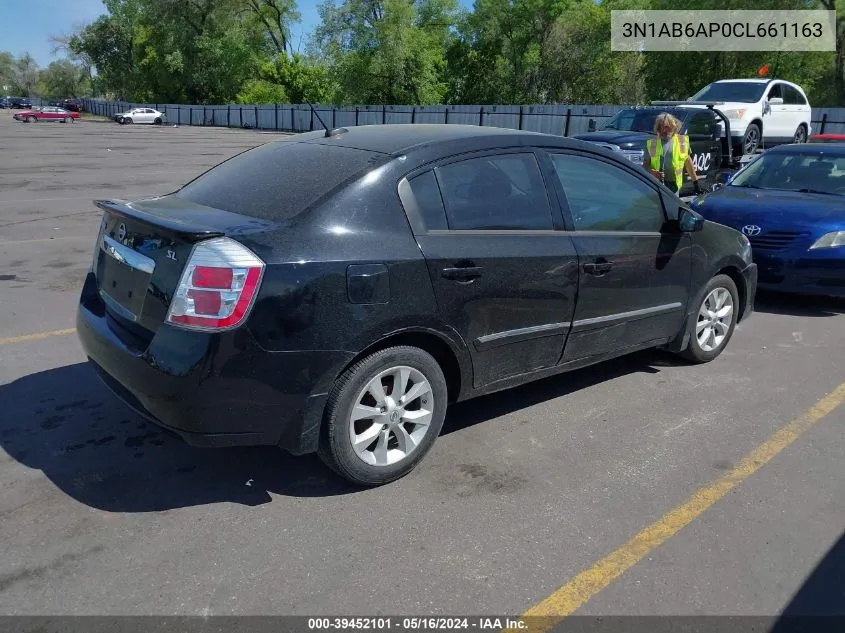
x,y
209,277
218,286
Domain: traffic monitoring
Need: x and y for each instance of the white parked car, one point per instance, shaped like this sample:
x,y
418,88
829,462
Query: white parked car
x,y
141,115
771,110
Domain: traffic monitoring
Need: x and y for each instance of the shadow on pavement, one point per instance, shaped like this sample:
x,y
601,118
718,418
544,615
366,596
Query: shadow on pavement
x,y
798,305
819,605
65,423
469,413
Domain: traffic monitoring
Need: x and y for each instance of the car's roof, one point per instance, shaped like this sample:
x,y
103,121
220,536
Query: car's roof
x,y
754,80
687,109
401,138
808,148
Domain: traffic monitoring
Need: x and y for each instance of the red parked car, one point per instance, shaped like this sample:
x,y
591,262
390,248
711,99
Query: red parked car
x,y
47,113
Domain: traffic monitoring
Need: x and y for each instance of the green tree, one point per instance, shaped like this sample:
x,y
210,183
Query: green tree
x,y
7,70
274,18
64,44
63,78
110,44
386,51
25,78
497,56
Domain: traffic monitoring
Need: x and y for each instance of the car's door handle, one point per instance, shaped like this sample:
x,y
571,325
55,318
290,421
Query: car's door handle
x,y
598,268
463,273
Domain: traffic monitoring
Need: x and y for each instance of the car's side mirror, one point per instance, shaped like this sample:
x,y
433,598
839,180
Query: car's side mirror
x,y
776,101
689,220
591,125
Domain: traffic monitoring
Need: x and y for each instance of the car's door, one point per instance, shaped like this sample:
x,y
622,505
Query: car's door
x,y
705,144
635,268
796,105
777,121
503,276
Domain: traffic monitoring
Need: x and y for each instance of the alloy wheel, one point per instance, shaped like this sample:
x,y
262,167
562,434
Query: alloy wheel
x,y
752,140
714,319
391,416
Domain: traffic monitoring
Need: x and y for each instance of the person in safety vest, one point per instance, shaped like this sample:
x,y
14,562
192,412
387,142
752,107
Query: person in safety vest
x,y
668,154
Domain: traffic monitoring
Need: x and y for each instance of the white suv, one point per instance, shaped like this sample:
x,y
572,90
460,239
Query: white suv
x,y
773,110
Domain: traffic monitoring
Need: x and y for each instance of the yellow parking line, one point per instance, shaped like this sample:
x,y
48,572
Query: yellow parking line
x,y
36,337
589,582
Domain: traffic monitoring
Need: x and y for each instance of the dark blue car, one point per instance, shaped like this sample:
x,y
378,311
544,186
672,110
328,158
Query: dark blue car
x,y
790,203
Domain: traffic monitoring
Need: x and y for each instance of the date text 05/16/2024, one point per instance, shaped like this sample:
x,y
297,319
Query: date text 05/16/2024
x,y
383,623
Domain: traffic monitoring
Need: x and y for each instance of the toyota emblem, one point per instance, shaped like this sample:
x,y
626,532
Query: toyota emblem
x,y
751,230
121,232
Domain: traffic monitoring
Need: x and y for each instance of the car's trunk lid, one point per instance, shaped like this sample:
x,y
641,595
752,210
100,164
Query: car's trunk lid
x,y
142,251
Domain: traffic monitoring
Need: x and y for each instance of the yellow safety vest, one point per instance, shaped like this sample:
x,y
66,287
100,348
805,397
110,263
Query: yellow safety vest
x,y
680,152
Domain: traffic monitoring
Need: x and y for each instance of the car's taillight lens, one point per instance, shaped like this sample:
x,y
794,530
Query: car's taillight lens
x,y
218,286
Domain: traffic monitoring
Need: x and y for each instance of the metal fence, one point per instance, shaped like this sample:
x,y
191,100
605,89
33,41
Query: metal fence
x,y
564,120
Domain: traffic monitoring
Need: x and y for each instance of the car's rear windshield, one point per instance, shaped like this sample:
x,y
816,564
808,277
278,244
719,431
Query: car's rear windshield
x,y
278,180
731,91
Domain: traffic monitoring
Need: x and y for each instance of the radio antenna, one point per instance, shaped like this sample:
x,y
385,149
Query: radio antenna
x,y
323,123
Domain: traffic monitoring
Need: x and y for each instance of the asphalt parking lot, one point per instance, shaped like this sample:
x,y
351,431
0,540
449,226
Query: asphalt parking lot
x,y
102,513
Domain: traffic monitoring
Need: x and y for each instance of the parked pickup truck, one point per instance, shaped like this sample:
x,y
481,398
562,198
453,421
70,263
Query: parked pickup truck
x,y
707,128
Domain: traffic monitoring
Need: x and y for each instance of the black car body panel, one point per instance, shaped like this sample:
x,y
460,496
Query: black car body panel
x,y
357,258
19,103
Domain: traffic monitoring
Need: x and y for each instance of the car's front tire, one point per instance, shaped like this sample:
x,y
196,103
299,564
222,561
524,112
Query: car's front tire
x,y
712,325
751,139
31,119
127,120
157,121
383,415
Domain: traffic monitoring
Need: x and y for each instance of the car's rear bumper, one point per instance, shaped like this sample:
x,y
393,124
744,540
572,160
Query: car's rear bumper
x,y
821,275
211,389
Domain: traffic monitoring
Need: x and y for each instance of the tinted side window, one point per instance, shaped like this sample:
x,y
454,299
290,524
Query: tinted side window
x,y
278,180
792,96
775,92
495,192
426,193
603,197
701,124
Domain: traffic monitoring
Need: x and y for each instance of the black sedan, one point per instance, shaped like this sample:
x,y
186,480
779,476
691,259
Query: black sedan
x,y
333,292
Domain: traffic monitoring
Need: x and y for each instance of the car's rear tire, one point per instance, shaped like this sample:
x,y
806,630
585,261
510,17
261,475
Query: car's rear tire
x,y
800,135
712,324
393,433
751,139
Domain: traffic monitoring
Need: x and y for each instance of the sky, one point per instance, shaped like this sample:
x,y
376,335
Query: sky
x,y
29,31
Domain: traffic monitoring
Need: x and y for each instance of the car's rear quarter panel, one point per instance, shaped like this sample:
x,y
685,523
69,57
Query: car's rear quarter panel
x,y
304,302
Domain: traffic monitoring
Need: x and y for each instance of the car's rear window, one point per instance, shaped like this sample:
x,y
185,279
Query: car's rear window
x,y
278,180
